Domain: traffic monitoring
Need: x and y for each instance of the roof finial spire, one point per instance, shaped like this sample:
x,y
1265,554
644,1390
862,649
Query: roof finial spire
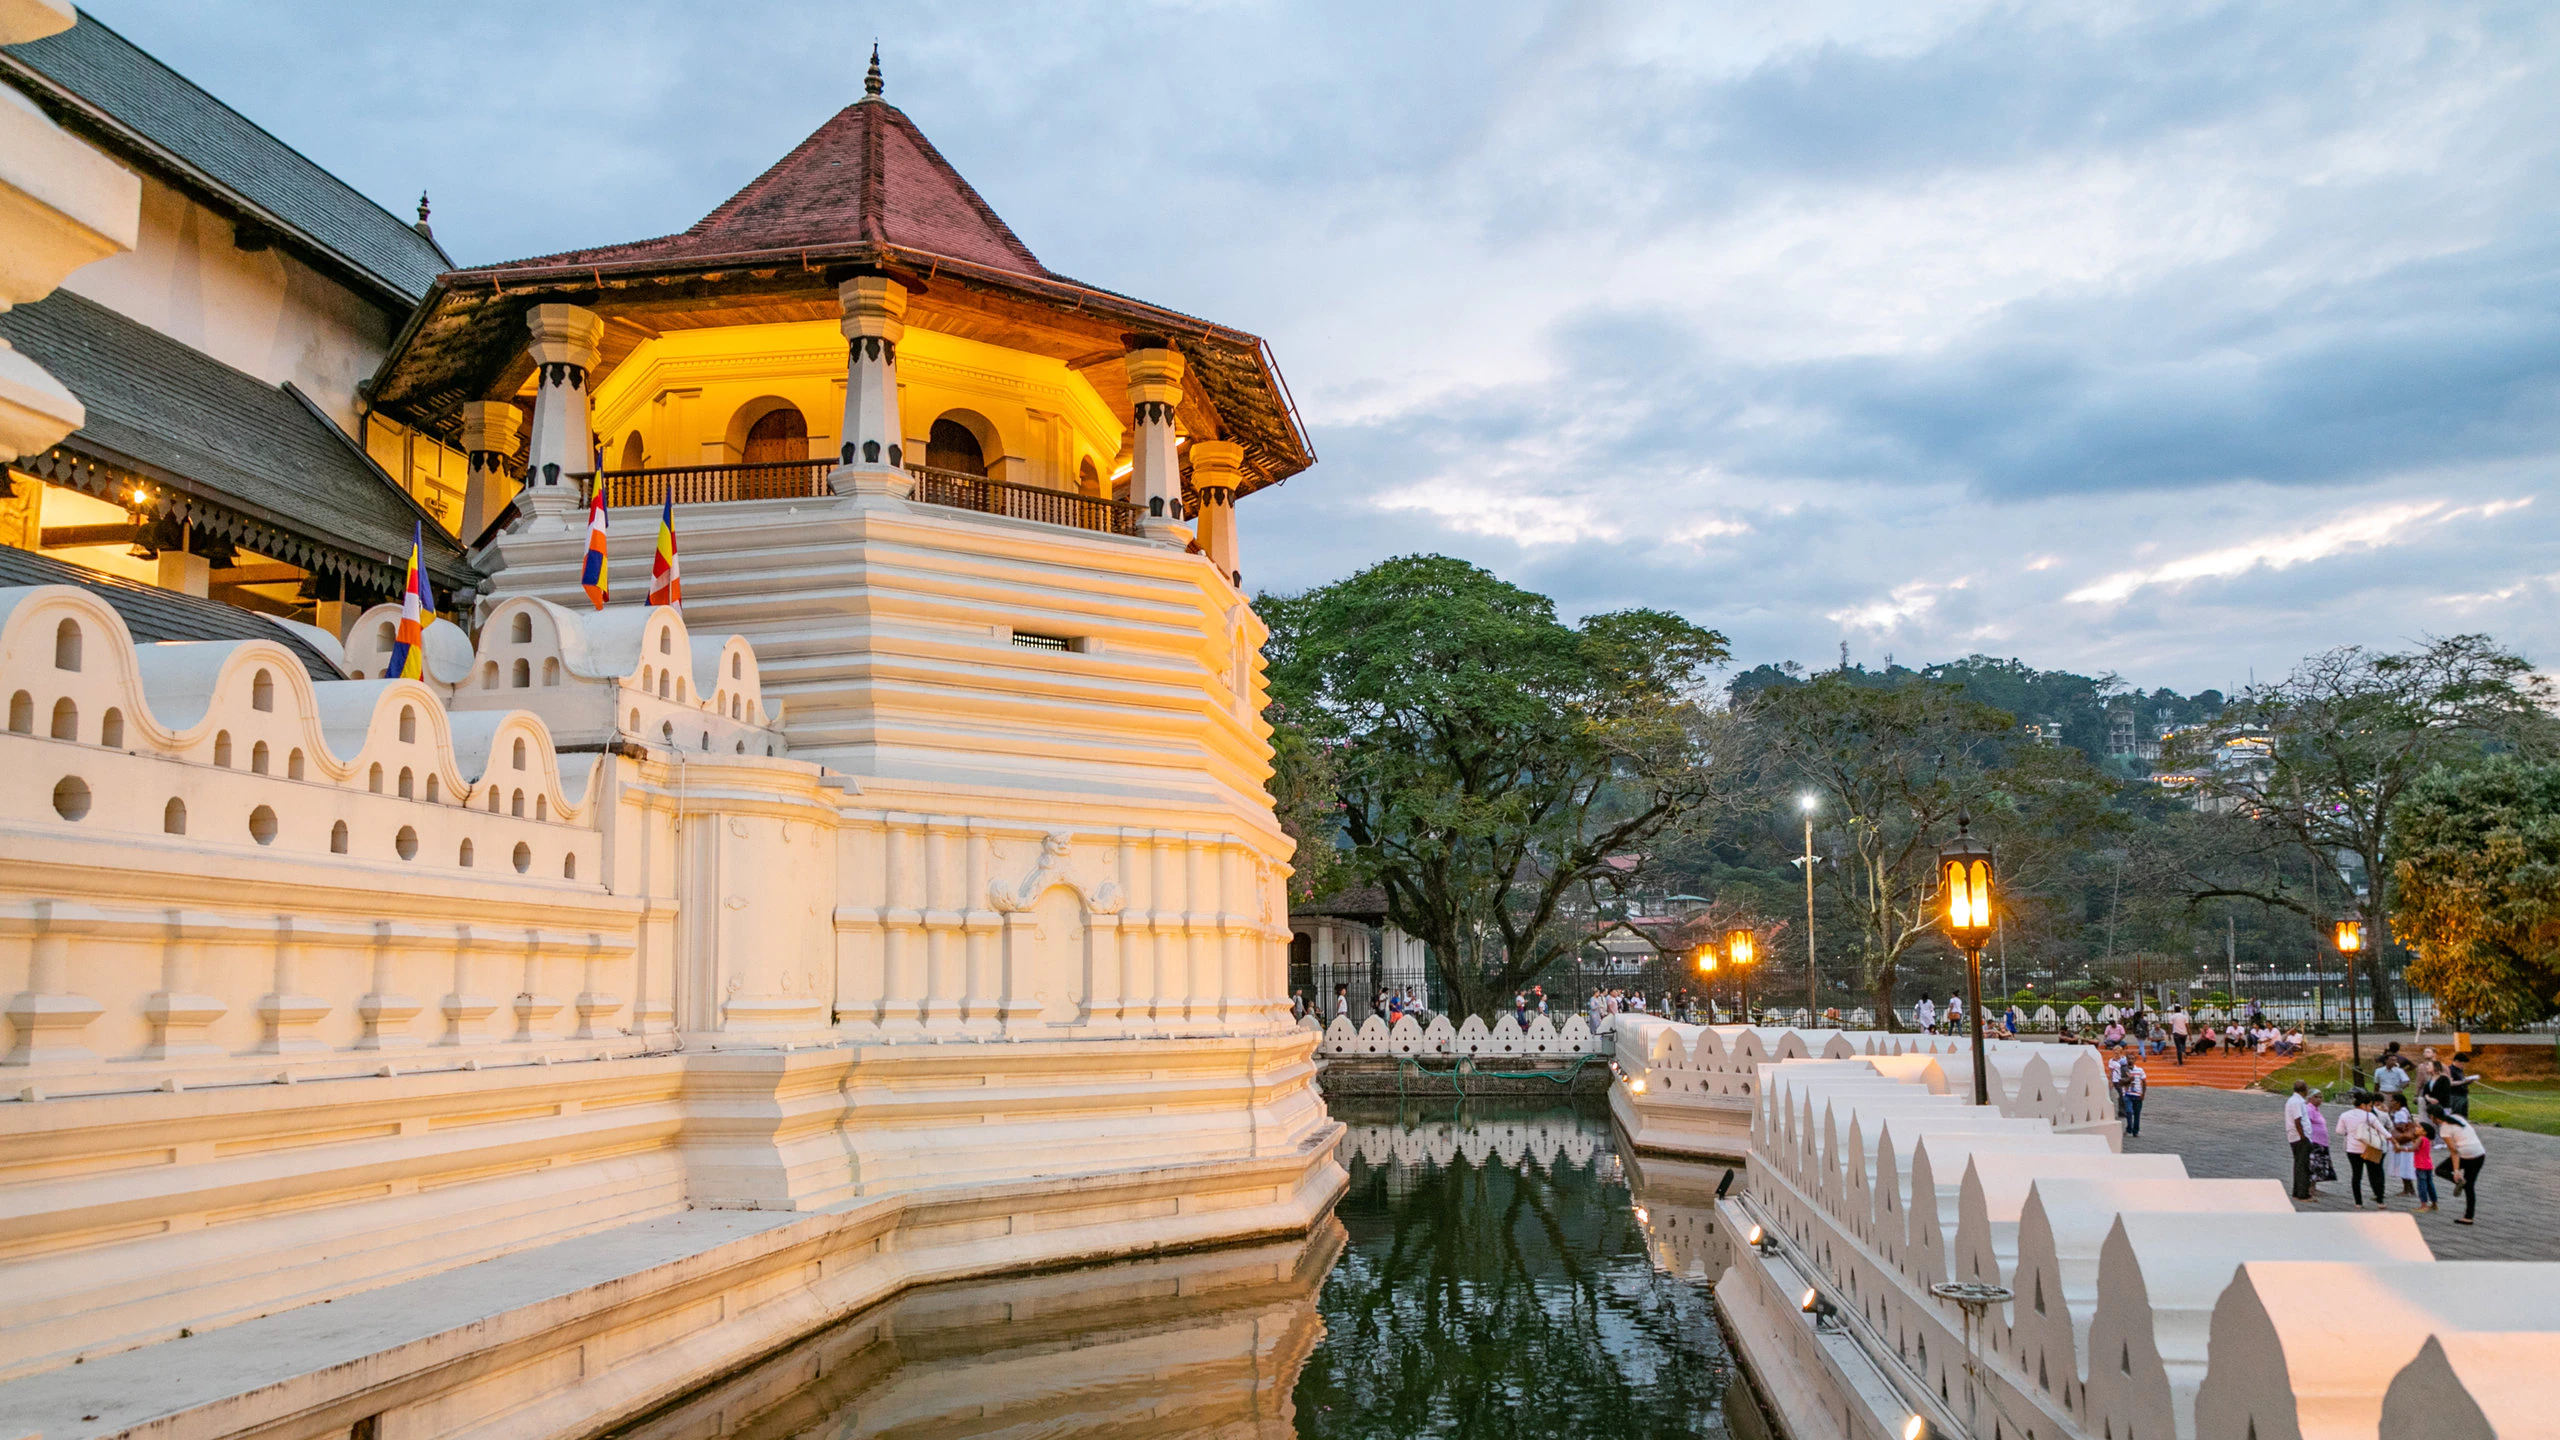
x,y
871,81
421,226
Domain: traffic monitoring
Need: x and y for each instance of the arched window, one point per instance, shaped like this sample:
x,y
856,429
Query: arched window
x,y
466,855
523,857
373,780
408,784
66,719
1088,479
22,714
780,435
66,645
519,752
262,691
541,810
222,748
569,867
408,725
386,636
293,764
111,728
663,677
635,721
551,670
520,629
515,804
173,817
489,676
679,689
954,446
523,677
433,788
737,666
666,639
493,799
338,838
258,758
635,455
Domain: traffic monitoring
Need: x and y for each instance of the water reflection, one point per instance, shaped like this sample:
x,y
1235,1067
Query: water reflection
x,y
1498,1283
1206,1344
1494,1269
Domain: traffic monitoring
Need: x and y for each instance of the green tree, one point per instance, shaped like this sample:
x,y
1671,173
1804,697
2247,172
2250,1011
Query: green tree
x,y
1891,767
2477,892
2348,733
1490,758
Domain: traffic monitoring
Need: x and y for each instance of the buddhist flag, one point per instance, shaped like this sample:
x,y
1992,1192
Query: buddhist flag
x,y
666,580
594,576
417,612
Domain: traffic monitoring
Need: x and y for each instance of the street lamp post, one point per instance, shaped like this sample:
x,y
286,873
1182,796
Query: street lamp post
x,y
1812,1002
1741,947
1706,971
1964,869
2350,936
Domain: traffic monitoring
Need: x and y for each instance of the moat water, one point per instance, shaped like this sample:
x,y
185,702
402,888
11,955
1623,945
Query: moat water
x,y
1495,1269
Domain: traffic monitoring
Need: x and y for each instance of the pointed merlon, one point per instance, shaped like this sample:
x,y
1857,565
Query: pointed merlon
x,y
871,81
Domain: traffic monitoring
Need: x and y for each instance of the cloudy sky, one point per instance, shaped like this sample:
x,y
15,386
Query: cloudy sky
x,y
2175,339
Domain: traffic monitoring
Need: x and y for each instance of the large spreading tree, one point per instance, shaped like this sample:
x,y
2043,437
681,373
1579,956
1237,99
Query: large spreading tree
x,y
2477,890
2348,733
1489,758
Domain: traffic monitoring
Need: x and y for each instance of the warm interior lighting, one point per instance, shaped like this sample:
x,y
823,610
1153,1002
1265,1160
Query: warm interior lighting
x,y
1706,960
1758,1234
1964,871
1811,1301
1915,1428
1741,946
1636,1084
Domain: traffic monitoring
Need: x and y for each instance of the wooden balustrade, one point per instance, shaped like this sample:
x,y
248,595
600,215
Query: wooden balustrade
x,y
713,484
807,479
961,490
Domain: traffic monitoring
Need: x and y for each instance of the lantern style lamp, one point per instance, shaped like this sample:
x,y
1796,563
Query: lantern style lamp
x,y
1965,875
1742,947
2350,937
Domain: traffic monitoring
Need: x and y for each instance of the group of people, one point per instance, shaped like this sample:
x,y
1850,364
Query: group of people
x,y
2412,1127
1388,1004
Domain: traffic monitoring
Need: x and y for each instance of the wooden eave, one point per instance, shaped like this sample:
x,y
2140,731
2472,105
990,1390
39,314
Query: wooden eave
x,y
466,340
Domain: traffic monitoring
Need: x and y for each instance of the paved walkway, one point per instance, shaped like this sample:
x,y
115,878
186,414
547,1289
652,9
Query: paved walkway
x,y
2240,1135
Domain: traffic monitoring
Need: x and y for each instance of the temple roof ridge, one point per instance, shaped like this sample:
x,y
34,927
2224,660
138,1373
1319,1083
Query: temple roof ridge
x,y
868,175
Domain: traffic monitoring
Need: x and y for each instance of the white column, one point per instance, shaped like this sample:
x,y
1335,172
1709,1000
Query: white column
x,y
178,1014
490,432
289,1014
52,1020
1164,926
1199,931
385,1012
1137,977
902,986
533,1008
565,338
595,1006
1155,391
989,978
1217,468
871,461
464,1010
942,957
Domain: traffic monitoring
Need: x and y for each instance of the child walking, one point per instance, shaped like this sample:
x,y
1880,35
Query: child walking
x,y
2425,1158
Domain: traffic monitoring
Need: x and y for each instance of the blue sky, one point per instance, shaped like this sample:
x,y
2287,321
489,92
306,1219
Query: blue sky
x,y
2174,339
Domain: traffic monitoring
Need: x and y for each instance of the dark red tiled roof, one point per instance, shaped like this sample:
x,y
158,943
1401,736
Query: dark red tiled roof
x,y
866,175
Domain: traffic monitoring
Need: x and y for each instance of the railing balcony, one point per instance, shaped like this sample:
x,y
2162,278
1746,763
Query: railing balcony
x,y
961,490
807,479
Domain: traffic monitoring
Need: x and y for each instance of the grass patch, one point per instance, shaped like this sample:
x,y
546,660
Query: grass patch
x,y
2519,1105
2320,1069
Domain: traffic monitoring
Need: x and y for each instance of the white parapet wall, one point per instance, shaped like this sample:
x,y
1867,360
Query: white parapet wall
x,y
570,1030
1691,1089
2118,1298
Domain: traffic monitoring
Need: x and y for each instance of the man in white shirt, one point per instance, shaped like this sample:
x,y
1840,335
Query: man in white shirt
x,y
2178,1032
2295,1107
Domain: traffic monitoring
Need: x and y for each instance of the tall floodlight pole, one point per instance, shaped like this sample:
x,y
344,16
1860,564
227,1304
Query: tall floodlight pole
x,y
1812,1006
1964,872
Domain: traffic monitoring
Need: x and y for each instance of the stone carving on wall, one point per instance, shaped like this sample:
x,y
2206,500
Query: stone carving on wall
x,y
1055,851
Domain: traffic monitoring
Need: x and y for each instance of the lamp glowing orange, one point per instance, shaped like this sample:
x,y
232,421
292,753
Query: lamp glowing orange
x,y
1741,946
1964,868
2350,936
